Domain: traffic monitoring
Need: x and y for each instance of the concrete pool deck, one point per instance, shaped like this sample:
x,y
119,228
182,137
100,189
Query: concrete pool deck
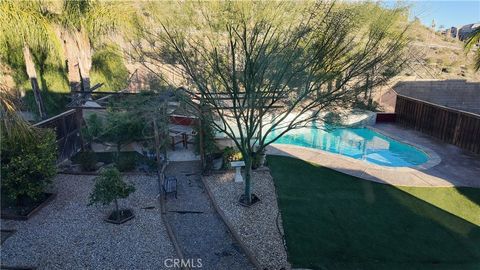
x,y
448,165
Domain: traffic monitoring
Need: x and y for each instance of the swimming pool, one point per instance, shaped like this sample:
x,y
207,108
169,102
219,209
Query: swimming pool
x,y
359,143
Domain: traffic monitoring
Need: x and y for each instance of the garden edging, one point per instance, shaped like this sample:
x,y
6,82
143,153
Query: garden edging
x,y
230,227
164,217
51,197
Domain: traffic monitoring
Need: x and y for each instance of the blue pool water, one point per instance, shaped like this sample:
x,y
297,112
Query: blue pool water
x,y
359,143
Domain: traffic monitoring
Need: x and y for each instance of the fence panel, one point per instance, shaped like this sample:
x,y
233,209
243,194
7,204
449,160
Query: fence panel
x,y
453,126
67,127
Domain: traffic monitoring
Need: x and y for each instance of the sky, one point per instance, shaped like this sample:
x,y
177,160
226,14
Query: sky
x,y
446,13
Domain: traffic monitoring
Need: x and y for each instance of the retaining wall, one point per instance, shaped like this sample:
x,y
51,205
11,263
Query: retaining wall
x,y
457,94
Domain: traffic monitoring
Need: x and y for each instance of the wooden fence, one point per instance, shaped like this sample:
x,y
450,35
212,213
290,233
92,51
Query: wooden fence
x,y
453,126
67,126
383,117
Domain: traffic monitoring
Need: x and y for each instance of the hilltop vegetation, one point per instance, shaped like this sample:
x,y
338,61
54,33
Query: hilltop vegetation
x,y
431,55
436,56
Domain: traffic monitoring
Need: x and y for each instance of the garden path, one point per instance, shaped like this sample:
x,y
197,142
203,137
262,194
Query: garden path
x,y
198,228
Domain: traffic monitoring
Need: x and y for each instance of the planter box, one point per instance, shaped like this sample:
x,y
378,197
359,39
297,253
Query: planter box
x,y
126,215
241,200
6,215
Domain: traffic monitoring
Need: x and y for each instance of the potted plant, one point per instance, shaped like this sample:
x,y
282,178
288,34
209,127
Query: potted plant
x,y
109,187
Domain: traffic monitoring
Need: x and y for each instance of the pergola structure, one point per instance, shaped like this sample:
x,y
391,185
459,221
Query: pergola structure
x,y
160,105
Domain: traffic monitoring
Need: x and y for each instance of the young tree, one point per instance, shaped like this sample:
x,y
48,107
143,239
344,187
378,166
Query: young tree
x,y
143,117
109,187
121,128
265,68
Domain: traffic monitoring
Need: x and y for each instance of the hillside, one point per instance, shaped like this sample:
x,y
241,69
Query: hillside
x,y
435,56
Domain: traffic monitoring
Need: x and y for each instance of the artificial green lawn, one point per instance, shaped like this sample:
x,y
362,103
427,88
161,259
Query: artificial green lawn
x,y
336,221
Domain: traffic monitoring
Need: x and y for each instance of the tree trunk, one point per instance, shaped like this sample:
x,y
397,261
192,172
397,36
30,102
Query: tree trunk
x,y
32,74
70,51
85,81
119,147
117,211
262,157
367,88
84,60
370,90
248,179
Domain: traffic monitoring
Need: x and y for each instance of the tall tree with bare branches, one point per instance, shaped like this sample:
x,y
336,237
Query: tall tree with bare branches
x,y
264,68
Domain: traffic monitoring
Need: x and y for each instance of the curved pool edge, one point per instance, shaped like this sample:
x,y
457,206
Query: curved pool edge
x,y
397,176
336,156
433,158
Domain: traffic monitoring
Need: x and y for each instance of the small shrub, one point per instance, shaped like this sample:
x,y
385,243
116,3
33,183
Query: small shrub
x,y
109,187
369,106
126,163
93,128
28,166
332,118
87,160
256,161
230,154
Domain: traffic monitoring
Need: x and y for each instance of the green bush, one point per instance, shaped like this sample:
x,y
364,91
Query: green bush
x,y
28,165
230,154
93,128
126,163
87,160
108,67
122,127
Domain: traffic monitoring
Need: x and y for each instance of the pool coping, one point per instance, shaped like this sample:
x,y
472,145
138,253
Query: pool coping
x,y
397,176
433,158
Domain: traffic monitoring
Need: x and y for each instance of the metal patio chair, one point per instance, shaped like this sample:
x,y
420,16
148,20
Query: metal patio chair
x,y
170,185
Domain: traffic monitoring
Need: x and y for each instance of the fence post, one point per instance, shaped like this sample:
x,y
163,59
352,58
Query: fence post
x,y
456,133
78,123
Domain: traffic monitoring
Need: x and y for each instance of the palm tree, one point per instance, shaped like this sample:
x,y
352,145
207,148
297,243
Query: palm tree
x,y
472,41
85,25
23,24
12,124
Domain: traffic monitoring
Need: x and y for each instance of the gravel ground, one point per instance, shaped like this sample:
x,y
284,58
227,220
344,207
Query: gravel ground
x,y
67,234
257,225
198,228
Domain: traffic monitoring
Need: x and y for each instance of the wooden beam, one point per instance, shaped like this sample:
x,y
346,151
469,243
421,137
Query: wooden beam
x,y
96,86
255,107
231,98
103,93
88,108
